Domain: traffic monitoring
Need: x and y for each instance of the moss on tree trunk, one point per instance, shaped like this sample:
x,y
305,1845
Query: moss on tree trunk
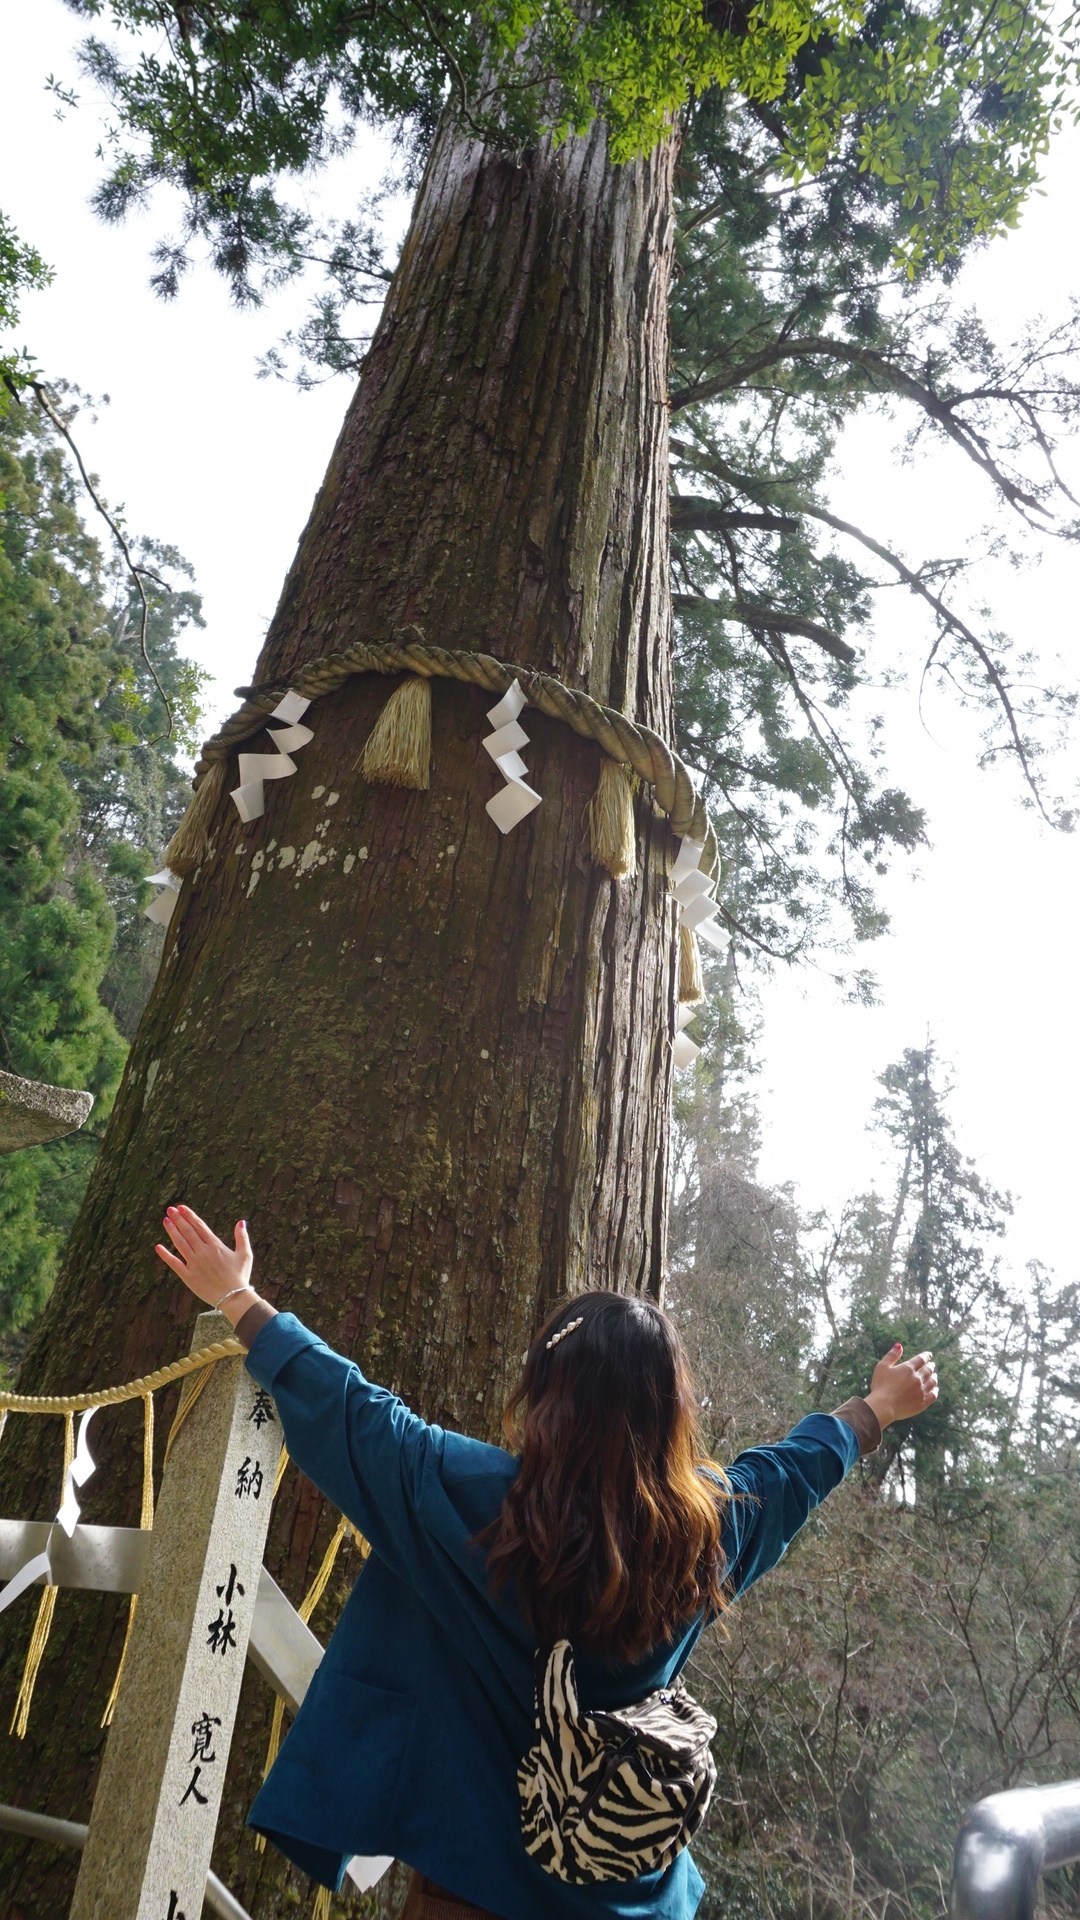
x,y
430,1065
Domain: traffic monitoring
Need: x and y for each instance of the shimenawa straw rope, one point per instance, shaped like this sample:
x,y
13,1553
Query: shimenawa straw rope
x,y
620,738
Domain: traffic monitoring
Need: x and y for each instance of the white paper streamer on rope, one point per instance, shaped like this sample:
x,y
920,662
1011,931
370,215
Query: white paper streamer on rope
x,y
82,1466
697,910
33,1570
693,892
79,1471
517,797
249,797
160,911
683,1050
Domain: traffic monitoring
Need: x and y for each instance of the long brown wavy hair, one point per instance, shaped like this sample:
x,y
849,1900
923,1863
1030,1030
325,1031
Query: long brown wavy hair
x,y
610,1534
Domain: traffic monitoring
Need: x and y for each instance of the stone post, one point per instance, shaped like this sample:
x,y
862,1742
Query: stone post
x,y
152,1826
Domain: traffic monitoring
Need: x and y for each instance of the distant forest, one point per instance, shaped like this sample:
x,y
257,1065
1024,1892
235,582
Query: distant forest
x,y
91,791
920,1645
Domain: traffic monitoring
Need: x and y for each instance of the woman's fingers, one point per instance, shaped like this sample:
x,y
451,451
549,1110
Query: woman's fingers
x,y
927,1378
924,1374
206,1264
174,1236
183,1240
198,1227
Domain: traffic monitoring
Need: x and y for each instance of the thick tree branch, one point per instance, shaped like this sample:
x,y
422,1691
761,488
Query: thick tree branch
x,y
691,513
892,378
751,613
952,623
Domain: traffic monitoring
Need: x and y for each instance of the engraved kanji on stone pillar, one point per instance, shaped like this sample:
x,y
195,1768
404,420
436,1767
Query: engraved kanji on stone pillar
x,y
152,1826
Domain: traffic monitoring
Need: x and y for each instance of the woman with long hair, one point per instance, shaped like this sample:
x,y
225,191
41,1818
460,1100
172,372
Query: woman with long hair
x,y
602,1530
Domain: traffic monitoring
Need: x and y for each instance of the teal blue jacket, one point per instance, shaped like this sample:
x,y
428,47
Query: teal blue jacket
x,y
409,1739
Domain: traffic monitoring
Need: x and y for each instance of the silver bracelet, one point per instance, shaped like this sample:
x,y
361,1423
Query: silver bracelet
x,y
231,1295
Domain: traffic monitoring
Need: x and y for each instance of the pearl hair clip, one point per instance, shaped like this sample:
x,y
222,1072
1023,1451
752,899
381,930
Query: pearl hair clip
x,y
563,1331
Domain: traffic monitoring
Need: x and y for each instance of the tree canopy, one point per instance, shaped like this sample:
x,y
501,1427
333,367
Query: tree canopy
x,y
947,105
789,319
837,167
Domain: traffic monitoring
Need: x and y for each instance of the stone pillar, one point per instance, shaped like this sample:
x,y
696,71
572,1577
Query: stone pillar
x,y
152,1826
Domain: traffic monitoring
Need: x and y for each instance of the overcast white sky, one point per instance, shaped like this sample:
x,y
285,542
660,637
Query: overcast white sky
x,y
985,924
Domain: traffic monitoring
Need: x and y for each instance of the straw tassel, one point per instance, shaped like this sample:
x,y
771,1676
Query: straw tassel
x,y
398,751
611,820
691,983
39,1639
190,843
321,1909
146,1521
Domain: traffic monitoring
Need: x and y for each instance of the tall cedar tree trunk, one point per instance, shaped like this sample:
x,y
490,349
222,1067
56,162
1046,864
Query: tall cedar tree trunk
x,y
430,1065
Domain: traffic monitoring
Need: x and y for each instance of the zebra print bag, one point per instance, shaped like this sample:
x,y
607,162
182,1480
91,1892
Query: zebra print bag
x,y
611,1795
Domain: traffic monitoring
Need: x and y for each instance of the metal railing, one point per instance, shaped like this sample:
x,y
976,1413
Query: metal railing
x,y
1006,1842
71,1833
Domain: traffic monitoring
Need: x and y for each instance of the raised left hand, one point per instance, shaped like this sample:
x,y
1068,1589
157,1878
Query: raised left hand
x,y
205,1263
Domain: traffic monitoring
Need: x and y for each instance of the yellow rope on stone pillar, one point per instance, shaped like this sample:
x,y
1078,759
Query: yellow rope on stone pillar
x,y
146,1521
283,1461
39,1639
322,1579
189,1393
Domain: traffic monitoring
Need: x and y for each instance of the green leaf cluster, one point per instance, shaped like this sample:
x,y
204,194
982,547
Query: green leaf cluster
x,y
90,792
950,105
22,270
226,101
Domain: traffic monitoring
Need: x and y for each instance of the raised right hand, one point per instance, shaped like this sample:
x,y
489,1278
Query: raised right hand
x,y
900,1388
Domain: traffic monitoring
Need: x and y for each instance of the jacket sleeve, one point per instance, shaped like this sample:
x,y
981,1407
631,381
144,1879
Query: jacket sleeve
x,y
360,1444
775,1489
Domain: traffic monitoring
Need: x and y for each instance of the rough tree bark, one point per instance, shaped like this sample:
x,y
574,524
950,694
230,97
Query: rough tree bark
x,y
431,1066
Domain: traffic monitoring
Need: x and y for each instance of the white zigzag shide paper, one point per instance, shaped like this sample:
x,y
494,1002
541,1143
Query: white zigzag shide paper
x,y
79,1471
517,798
249,797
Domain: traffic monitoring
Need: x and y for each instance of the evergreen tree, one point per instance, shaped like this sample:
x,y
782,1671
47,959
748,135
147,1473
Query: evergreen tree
x,y
921,1266
89,794
22,269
